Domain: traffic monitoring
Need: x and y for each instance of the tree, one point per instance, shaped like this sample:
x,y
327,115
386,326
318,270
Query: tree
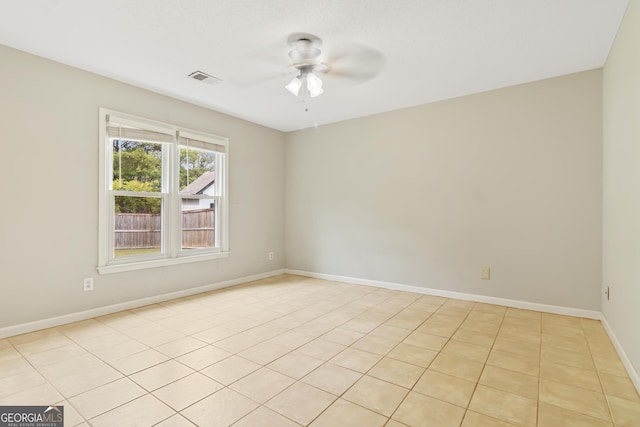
x,y
194,163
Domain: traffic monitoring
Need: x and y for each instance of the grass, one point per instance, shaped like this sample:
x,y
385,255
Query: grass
x,y
130,252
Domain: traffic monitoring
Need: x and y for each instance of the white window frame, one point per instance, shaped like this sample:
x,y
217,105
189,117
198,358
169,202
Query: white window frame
x,y
171,235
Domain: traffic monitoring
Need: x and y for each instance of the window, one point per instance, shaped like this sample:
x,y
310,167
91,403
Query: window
x,y
163,194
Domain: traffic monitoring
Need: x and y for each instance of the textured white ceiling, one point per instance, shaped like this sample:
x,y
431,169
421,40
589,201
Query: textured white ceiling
x,y
434,49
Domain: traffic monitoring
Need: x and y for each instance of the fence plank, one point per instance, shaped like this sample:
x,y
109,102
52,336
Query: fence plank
x,y
143,231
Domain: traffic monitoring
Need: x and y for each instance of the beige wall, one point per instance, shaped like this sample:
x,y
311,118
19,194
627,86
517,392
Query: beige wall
x,y
621,171
425,196
49,179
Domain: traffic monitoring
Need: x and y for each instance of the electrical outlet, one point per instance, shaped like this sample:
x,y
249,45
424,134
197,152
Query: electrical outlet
x,y
270,256
485,273
88,284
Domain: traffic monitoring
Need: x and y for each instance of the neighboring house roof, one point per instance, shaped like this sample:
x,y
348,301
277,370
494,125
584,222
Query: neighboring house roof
x,y
198,186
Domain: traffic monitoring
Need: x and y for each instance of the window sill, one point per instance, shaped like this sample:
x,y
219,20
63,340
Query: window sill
x,y
140,265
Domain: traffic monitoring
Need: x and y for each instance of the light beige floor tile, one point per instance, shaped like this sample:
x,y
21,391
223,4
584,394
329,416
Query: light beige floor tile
x,y
106,397
72,366
510,381
480,326
458,367
214,334
346,414
528,324
342,336
264,353
391,332
83,381
446,388
188,390
394,423
561,320
356,360
86,329
377,395
301,402
569,375
396,372
562,331
564,357
144,411
475,419
262,384
175,421
13,367
230,370
71,416
180,346
505,406
160,375
221,409
574,398
139,361
577,345
8,353
481,316
466,350
523,314
239,342
490,308
514,362
430,342
418,410
474,337
21,382
291,339
43,393
203,357
415,355
56,355
445,330
518,334
332,378
619,386
374,344
553,416
321,349
266,418
49,342
118,350
625,412
516,346
295,364
266,331
609,365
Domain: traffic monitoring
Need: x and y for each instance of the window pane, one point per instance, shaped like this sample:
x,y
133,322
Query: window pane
x,y
137,166
137,226
198,223
197,171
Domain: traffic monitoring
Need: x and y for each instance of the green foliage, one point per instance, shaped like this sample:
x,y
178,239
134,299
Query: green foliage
x,y
130,204
194,163
137,161
137,166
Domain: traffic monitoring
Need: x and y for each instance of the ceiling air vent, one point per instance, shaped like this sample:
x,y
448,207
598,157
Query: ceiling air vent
x,y
204,77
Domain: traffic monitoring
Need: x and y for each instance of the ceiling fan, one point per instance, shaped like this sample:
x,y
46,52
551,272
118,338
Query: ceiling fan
x,y
351,61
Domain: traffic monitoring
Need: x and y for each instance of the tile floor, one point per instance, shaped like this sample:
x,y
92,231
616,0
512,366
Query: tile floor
x,y
290,351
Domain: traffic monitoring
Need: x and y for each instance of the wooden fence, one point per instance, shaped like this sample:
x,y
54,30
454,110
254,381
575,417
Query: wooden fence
x,y
142,231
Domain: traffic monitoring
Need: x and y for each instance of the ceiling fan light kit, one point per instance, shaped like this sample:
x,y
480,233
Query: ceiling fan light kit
x,y
355,62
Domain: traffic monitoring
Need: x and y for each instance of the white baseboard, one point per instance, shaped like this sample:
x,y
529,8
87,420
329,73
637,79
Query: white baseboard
x,y
546,308
633,374
37,325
